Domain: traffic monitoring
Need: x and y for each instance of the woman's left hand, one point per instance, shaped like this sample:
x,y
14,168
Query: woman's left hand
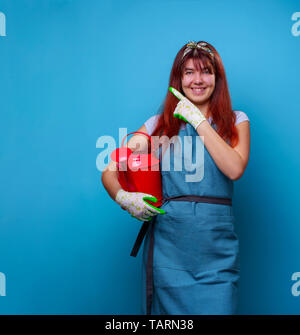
x,y
187,111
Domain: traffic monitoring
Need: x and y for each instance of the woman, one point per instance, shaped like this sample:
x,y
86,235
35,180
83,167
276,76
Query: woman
x,y
191,252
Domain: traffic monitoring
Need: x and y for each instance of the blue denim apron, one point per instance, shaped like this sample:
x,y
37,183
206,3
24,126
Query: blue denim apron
x,y
194,256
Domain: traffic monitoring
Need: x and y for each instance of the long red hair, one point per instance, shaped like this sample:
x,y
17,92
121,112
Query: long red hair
x,y
220,108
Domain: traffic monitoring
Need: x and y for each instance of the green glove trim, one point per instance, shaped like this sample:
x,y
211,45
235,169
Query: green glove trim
x,y
176,93
153,199
181,117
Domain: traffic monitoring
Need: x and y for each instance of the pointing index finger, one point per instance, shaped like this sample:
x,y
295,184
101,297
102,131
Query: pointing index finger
x,y
176,93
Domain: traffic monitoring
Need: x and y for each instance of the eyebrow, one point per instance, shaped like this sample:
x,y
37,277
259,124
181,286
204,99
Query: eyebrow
x,y
187,68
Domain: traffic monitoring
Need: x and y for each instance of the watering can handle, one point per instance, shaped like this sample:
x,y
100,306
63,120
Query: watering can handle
x,y
136,132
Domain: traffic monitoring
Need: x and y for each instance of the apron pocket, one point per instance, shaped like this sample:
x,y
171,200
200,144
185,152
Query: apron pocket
x,y
195,243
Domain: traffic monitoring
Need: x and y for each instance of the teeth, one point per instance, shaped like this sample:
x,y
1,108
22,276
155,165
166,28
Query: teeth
x,y
198,89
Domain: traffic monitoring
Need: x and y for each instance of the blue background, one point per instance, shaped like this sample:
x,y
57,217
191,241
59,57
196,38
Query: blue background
x,y
74,70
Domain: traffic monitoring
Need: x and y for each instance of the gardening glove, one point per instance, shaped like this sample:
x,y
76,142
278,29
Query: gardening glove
x,y
135,203
187,111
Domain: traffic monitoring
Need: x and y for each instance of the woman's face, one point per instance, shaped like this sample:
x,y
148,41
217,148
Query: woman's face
x,y
197,86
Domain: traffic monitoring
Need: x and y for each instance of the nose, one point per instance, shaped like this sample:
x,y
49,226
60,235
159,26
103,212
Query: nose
x,y
197,77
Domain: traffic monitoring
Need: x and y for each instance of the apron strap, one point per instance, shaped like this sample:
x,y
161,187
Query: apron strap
x,y
140,238
149,271
195,198
198,198
142,233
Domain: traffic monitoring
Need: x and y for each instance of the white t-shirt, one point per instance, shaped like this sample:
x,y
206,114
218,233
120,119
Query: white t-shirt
x,y
150,124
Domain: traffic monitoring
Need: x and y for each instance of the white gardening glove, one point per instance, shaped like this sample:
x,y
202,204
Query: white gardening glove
x,y
187,111
135,204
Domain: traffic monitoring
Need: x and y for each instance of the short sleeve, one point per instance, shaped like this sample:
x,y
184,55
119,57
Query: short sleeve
x,y
240,117
151,123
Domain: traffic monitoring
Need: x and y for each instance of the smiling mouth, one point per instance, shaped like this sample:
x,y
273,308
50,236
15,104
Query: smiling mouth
x,y
198,91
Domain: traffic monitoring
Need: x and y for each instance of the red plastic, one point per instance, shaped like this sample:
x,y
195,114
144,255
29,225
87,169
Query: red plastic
x,y
120,154
140,172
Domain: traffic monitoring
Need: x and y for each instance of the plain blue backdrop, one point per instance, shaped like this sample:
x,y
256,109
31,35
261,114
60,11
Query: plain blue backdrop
x,y
74,70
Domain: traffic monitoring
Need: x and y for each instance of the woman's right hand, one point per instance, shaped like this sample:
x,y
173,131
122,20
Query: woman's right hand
x,y
135,203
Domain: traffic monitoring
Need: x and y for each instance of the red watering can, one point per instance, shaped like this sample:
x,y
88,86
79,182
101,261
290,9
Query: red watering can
x,y
139,172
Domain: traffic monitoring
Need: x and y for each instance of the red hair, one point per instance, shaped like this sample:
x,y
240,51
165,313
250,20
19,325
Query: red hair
x,y
219,108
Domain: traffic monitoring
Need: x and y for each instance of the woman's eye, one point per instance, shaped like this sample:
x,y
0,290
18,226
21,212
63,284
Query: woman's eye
x,y
205,71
